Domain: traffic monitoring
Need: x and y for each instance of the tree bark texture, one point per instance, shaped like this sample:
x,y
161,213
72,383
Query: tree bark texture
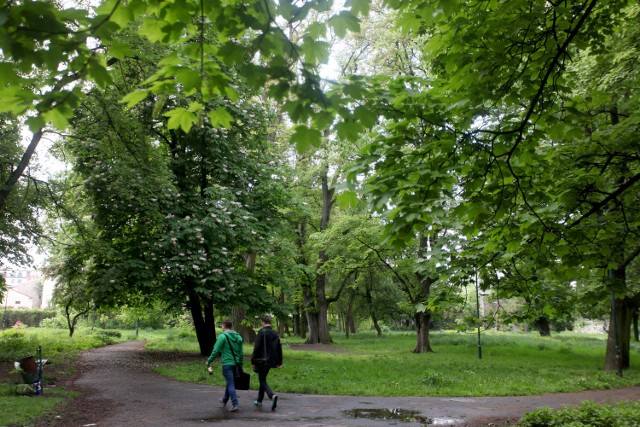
x,y
203,322
543,327
11,182
423,344
423,318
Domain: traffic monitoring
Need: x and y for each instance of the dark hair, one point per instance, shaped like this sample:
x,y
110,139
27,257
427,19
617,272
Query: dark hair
x,y
227,323
266,319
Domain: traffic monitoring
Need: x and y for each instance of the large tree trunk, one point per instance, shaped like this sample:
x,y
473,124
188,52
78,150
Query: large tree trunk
x,y
423,318
324,336
372,312
238,315
543,327
619,335
317,311
203,322
349,324
423,345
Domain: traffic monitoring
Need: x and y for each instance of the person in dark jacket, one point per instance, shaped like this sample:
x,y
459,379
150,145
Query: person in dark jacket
x,y
267,354
222,349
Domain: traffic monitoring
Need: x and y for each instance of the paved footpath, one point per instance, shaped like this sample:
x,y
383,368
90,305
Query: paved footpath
x,y
117,377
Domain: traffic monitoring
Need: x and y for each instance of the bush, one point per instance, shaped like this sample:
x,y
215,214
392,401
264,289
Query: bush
x,y
14,345
26,317
589,414
57,322
108,337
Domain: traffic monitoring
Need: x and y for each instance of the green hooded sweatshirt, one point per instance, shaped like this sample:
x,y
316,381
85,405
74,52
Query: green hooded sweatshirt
x,y
221,348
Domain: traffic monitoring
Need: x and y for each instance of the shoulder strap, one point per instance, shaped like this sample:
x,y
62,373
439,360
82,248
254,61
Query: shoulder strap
x,y
231,348
264,347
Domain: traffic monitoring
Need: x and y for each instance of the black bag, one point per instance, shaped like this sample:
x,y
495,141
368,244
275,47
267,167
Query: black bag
x,y
241,379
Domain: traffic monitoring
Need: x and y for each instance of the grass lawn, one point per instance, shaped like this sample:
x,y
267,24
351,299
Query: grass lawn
x,y
364,365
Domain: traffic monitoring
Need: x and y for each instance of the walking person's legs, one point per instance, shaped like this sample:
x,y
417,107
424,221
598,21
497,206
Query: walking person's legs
x,y
230,389
264,387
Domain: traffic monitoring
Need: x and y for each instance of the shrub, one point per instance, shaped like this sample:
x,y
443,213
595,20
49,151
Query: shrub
x,y
14,345
57,322
27,317
589,414
107,337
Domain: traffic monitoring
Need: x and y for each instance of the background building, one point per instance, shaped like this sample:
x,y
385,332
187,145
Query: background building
x,y
24,289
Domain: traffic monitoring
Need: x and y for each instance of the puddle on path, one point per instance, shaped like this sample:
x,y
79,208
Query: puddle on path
x,y
395,414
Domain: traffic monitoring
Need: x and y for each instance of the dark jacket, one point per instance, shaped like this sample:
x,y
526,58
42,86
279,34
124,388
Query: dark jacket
x,y
267,346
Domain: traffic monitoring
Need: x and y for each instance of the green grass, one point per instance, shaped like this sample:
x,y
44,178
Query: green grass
x,y
364,365
23,410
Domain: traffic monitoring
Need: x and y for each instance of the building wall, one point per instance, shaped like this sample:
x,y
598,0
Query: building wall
x,y
24,289
16,299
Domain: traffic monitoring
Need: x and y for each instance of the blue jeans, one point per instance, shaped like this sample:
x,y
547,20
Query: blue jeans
x,y
230,389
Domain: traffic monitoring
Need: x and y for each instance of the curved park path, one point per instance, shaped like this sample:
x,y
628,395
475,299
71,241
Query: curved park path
x,y
118,388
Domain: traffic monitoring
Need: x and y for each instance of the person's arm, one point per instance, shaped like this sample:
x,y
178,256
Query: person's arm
x,y
241,353
217,350
279,354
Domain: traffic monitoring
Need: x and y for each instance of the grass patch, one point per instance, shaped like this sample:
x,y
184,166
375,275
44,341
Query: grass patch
x,y
364,365
23,410
619,414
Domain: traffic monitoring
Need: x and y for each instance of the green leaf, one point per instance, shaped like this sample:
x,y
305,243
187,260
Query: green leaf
x,y
317,30
347,199
344,22
195,106
315,51
180,118
221,118
35,124
134,98
190,80
305,138
358,7
56,118
348,130
152,29
97,70
120,50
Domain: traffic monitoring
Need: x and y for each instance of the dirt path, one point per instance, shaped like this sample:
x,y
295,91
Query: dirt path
x,y
118,388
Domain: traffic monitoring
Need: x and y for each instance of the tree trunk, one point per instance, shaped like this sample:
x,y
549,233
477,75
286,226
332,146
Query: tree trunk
x,y
372,312
349,324
203,322
324,336
423,345
543,327
297,328
636,336
238,315
16,174
317,312
312,328
619,336
423,318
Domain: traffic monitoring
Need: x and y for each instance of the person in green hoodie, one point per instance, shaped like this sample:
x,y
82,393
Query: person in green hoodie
x,y
227,340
